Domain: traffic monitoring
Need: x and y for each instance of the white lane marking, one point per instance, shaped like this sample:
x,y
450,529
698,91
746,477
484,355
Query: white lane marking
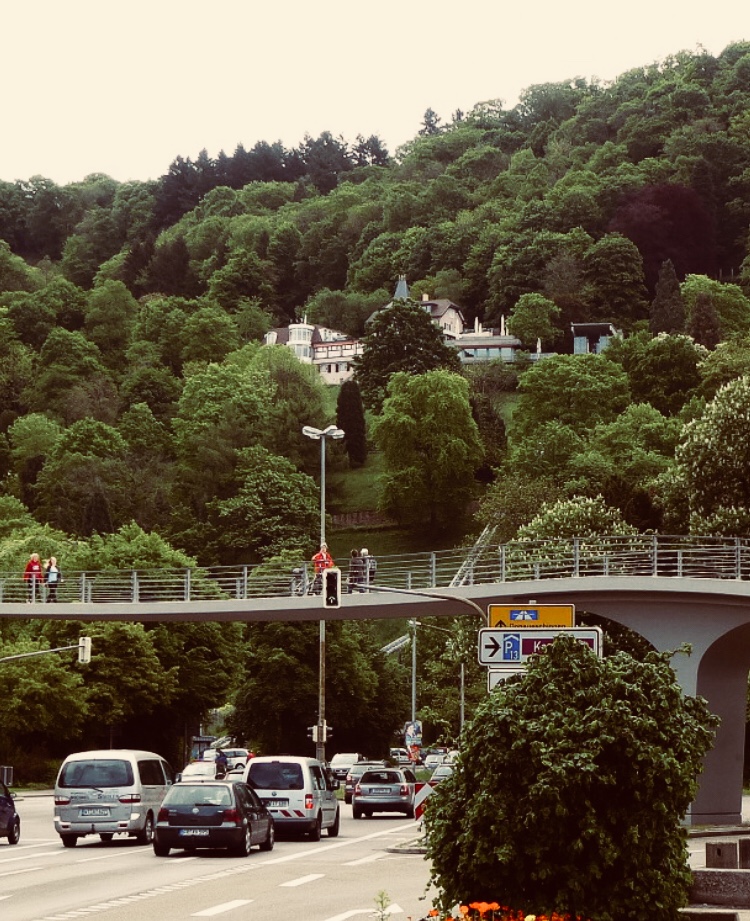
x,y
221,874
220,909
346,842
370,859
390,910
29,857
300,881
18,872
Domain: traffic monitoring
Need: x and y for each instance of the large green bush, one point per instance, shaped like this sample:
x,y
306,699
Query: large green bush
x,y
570,788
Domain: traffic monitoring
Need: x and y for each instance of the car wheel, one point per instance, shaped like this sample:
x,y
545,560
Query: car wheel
x,y
368,813
147,835
347,799
69,840
268,844
107,836
410,812
356,812
14,832
333,830
316,830
161,850
243,849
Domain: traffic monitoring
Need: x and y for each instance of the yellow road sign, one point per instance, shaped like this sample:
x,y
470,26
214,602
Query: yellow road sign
x,y
531,615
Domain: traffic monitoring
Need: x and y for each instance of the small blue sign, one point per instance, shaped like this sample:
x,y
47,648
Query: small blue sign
x,y
524,614
512,647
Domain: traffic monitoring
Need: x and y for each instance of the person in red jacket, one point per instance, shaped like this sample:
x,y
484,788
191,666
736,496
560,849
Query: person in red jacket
x,y
33,576
321,561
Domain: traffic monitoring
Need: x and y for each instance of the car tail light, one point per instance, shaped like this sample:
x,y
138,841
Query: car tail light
x,y
233,816
130,798
404,789
163,815
309,802
358,790
62,800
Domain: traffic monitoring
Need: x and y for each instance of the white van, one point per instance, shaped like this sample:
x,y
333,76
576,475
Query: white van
x,y
298,792
109,792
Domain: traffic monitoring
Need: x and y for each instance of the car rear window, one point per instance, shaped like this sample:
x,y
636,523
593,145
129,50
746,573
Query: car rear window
x,y
384,777
198,795
278,775
98,773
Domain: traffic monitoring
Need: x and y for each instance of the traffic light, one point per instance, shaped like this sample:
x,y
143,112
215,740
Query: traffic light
x,y
84,649
312,733
327,732
332,588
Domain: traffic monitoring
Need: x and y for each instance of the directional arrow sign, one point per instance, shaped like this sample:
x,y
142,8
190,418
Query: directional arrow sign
x,y
508,646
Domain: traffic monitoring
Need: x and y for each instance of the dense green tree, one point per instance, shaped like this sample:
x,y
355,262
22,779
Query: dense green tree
x,y
613,271
210,334
713,458
513,500
277,699
401,337
15,275
110,313
274,507
731,305
575,390
533,318
729,360
431,448
350,416
603,752
82,487
667,308
704,325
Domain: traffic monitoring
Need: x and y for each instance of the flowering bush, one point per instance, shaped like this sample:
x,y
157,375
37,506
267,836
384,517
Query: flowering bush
x,y
493,911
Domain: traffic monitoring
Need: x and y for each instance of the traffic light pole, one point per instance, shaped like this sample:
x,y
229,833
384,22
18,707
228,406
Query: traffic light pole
x,y
83,646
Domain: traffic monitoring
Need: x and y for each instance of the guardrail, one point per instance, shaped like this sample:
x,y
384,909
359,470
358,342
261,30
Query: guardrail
x,y
639,555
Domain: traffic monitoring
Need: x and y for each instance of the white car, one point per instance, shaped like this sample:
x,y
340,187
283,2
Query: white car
x,y
432,761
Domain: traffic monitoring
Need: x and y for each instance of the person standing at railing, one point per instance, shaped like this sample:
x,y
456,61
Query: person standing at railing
x,y
53,578
321,561
32,576
369,567
356,572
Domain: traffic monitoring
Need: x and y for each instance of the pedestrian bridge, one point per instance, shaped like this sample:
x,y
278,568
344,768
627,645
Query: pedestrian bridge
x,y
671,590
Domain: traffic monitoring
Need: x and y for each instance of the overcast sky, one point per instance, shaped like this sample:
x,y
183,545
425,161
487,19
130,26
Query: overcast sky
x,y
105,86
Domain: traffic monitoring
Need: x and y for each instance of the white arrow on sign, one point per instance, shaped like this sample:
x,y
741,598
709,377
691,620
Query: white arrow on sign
x,y
500,646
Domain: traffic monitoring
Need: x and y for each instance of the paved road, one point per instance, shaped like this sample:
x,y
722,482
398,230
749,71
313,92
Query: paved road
x,y
336,879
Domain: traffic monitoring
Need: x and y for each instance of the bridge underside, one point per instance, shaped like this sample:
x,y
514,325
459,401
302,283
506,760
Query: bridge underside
x,y
711,616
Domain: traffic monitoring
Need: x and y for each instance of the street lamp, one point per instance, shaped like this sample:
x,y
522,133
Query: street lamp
x,y
322,435
418,623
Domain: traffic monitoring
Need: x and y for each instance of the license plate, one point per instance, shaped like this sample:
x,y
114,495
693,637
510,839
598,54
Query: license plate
x,y
380,791
93,813
194,832
276,802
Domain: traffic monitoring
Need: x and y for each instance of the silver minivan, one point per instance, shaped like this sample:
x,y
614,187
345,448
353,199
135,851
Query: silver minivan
x,y
299,793
110,792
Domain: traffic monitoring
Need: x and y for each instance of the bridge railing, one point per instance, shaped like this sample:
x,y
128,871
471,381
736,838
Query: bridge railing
x,y
481,563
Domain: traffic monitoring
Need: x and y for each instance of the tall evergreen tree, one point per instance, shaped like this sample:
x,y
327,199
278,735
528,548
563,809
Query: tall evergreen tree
x,y
350,416
704,321
667,313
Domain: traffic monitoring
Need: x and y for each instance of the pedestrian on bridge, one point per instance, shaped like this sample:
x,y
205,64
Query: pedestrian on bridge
x,y
32,576
321,561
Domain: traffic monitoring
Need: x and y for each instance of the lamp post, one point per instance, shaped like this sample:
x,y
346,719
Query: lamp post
x,y
418,623
322,435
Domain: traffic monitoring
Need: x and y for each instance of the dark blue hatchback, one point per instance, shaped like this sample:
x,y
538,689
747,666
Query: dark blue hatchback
x,y
10,824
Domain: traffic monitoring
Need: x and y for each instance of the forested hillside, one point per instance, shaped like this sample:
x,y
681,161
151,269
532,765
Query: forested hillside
x,y
142,422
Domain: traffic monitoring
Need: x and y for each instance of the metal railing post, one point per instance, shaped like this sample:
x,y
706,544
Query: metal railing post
x,y
244,582
502,563
654,555
134,587
737,559
433,570
576,557
188,583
